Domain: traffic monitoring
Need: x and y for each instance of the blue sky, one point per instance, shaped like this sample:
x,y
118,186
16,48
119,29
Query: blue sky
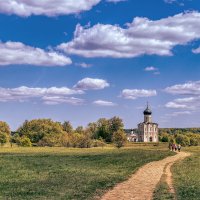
x,y
82,60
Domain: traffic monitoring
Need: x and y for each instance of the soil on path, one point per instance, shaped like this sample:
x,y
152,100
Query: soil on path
x,y
142,184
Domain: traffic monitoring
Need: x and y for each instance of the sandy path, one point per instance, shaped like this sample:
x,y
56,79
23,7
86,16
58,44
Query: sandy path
x,y
143,183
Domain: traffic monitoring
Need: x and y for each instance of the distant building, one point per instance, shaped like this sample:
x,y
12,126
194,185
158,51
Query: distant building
x,y
147,130
132,137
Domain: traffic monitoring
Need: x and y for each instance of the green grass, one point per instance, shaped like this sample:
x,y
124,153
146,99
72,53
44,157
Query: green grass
x,y
61,173
162,190
187,176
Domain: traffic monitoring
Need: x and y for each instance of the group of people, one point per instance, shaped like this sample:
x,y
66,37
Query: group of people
x,y
174,147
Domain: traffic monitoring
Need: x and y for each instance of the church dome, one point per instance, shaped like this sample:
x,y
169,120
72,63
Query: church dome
x,y
147,111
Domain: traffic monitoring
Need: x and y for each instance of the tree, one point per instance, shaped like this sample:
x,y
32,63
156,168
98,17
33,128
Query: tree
x,y
164,137
79,129
182,139
25,142
103,130
37,129
92,130
67,127
119,138
4,132
115,124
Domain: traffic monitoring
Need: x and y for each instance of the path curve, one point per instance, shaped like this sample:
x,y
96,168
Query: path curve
x,y
142,184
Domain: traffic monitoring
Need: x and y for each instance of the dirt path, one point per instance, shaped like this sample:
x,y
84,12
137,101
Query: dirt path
x,y
143,183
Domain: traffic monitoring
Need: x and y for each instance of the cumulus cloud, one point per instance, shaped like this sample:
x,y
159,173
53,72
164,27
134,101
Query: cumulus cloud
x,y
135,93
196,51
141,36
83,65
188,88
16,53
54,100
150,68
27,8
175,105
115,1
52,94
91,84
104,103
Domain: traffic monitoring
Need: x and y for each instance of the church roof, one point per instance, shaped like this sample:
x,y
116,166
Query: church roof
x,y
147,111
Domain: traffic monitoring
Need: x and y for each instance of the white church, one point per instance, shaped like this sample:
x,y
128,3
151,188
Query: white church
x,y
147,130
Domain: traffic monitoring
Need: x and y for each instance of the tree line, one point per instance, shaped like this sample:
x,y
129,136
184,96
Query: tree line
x,y
185,137
46,132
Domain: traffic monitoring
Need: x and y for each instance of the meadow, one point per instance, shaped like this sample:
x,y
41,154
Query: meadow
x,y
64,173
187,176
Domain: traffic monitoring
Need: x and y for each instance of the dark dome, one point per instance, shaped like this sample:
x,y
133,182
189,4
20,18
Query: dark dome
x,y
147,111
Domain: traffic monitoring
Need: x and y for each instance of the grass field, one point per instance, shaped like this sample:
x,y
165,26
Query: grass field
x,y
61,173
187,176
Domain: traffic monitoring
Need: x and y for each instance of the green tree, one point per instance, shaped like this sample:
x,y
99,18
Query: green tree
x,y
37,129
182,139
67,127
119,138
92,130
115,124
24,142
4,132
79,129
164,137
103,130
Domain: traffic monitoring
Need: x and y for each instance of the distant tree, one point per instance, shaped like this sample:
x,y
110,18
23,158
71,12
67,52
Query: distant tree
x,y
25,142
119,138
164,137
67,127
37,129
103,130
4,132
115,124
194,141
182,139
92,130
79,129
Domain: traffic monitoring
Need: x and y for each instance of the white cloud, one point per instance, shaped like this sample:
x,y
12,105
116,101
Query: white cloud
x,y
188,88
83,65
27,8
16,53
115,1
150,68
135,93
104,103
175,114
169,1
196,51
142,36
55,100
52,94
175,105
91,84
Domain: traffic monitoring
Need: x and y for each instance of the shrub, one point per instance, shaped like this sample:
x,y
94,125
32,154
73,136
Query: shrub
x,y
24,142
119,138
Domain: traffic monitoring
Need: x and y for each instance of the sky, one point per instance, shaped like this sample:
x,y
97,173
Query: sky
x,y
82,60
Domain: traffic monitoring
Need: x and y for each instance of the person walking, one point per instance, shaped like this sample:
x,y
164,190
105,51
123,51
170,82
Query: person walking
x,y
179,147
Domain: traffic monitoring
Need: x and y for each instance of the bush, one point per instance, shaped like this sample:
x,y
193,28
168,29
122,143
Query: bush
x,y
99,143
182,139
119,138
24,142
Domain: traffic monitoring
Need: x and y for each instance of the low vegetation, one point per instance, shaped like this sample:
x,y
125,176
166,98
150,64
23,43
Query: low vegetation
x,y
187,176
69,173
